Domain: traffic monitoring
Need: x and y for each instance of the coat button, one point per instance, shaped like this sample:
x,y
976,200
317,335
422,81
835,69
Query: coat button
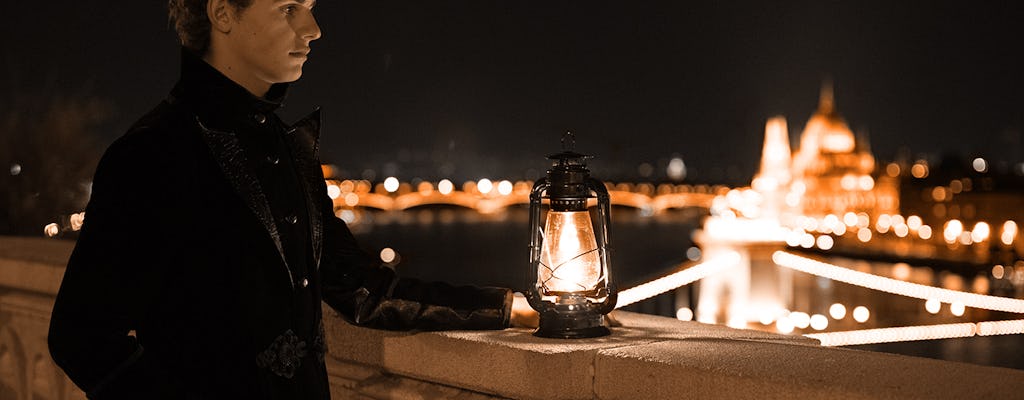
x,y
305,282
260,118
291,219
273,160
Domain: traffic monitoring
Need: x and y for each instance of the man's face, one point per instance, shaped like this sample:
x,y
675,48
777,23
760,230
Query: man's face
x,y
270,39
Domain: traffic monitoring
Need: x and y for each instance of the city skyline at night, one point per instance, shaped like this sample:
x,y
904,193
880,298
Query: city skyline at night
x,y
472,90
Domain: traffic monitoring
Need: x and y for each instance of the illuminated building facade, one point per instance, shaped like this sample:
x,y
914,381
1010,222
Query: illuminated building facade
x,y
833,171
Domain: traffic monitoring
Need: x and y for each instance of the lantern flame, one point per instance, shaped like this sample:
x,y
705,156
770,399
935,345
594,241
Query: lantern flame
x,y
569,260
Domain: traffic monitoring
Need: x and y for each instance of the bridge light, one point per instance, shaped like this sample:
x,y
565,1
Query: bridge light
x,y
445,187
484,186
861,314
819,322
391,184
333,191
1009,232
981,232
504,188
837,311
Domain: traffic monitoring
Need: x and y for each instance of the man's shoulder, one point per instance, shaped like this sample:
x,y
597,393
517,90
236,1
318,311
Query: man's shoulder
x,y
163,133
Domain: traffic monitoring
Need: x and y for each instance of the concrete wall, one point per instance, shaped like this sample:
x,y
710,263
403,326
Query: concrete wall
x,y
647,358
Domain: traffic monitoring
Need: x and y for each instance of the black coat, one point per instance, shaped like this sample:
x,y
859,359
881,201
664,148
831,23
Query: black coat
x,y
197,276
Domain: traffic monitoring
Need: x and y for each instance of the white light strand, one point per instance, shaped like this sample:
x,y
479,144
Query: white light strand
x,y
895,286
900,334
921,332
1008,327
678,279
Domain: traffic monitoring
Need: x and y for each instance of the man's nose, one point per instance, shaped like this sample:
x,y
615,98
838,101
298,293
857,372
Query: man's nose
x,y
310,29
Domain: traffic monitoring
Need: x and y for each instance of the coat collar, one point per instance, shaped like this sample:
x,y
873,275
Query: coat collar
x,y
218,103
216,99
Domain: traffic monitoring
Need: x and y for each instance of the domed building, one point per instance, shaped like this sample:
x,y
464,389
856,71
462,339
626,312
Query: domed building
x,y
833,170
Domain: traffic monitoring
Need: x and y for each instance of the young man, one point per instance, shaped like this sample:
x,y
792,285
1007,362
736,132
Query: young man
x,y
210,241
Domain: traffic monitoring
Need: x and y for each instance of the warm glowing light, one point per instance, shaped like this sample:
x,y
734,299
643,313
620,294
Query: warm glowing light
x,y
837,311
901,230
957,308
861,314
864,234
980,165
676,169
925,232
800,319
998,271
347,215
351,199
1009,232
678,279
819,322
825,242
901,271
952,230
737,322
76,220
893,170
391,184
900,334
484,186
939,193
914,222
333,191
1009,327
807,241
848,182
894,286
932,306
784,325
883,223
425,188
388,255
866,183
980,232
919,170
445,187
51,229
570,260
15,169
684,314
965,238
766,317
850,219
504,188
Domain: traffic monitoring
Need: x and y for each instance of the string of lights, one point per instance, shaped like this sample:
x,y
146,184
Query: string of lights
x,y
678,279
895,286
920,332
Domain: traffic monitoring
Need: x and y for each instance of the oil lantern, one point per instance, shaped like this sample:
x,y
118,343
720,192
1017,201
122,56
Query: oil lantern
x,y
569,280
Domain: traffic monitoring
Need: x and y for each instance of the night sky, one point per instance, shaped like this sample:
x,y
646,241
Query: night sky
x,y
485,88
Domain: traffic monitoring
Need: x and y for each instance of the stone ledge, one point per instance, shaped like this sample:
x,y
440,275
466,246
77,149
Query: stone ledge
x,y
649,357
660,358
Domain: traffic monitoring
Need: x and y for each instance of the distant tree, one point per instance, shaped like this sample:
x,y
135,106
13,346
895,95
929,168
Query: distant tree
x,y
48,153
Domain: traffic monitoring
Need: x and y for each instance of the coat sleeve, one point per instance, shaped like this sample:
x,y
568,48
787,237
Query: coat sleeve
x,y
368,294
108,284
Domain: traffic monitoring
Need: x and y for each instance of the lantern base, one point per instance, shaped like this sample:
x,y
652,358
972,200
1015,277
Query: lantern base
x,y
571,325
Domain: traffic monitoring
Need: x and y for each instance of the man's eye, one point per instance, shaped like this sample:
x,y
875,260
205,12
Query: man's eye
x,y
290,9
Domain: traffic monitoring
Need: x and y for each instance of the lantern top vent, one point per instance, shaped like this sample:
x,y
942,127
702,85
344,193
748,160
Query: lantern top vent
x,y
568,157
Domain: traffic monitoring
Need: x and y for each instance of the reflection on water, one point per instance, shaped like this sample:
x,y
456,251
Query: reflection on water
x,y
466,247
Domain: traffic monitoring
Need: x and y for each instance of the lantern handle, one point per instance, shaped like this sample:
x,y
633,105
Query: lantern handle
x,y
533,290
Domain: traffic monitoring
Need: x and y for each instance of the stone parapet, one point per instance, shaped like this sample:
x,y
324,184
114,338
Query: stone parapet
x,y
647,357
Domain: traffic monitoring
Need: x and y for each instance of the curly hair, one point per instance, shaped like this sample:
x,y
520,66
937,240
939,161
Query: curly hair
x,y
192,24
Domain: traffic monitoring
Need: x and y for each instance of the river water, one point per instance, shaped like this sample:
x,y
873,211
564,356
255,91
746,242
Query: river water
x,y
462,246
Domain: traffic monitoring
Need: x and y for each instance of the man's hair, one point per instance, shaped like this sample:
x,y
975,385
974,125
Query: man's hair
x,y
192,24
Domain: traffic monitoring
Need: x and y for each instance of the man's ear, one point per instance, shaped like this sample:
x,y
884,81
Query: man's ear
x,y
221,15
